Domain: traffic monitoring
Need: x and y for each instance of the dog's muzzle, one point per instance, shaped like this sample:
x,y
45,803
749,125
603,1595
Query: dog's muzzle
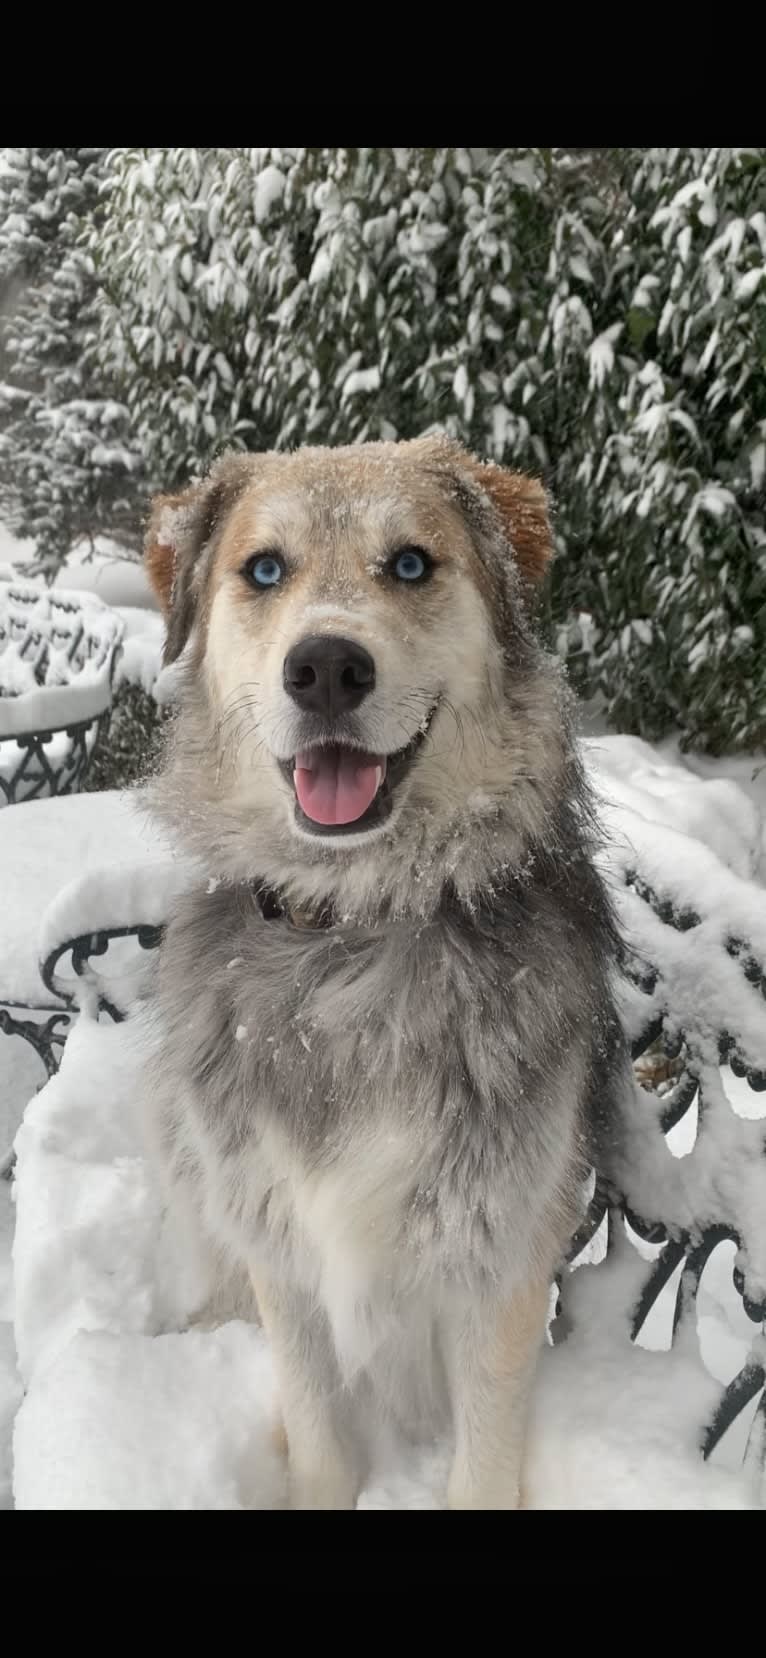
x,y
343,790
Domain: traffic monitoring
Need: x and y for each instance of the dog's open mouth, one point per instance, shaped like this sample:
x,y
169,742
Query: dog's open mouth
x,y
341,790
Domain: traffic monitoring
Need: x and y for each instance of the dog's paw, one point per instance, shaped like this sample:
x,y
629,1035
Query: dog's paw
x,y
322,1490
493,1495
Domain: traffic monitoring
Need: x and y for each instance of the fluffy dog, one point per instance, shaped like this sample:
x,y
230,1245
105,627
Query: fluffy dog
x,y
387,1029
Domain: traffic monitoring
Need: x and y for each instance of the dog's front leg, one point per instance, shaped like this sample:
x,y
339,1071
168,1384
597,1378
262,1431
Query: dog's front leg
x,y
321,1467
492,1351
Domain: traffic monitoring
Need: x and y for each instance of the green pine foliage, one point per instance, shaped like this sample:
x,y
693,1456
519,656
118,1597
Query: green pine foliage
x,y
662,492
68,467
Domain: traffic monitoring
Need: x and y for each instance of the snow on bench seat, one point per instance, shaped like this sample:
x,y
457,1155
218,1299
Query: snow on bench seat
x,y
78,844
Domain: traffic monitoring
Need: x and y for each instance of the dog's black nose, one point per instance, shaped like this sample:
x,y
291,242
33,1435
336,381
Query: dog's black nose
x,y
327,675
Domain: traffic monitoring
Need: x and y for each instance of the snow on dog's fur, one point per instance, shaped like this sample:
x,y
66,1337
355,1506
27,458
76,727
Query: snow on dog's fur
x,y
385,1037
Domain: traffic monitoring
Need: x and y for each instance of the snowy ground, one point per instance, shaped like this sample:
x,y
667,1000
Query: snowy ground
x,y
120,1413
669,775
113,577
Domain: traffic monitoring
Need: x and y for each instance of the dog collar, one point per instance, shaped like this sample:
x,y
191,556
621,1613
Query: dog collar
x,y
274,907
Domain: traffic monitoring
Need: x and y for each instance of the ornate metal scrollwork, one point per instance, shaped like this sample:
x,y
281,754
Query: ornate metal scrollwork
x,y
46,1037
36,774
682,1057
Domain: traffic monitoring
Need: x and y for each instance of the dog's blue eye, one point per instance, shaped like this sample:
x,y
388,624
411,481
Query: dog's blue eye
x,y
265,571
410,565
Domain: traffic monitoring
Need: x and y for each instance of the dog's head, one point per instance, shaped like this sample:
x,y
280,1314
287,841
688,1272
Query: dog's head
x,y
354,623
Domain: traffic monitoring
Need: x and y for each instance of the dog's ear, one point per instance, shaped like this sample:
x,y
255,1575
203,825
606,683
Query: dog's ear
x,y
180,527
522,508
519,503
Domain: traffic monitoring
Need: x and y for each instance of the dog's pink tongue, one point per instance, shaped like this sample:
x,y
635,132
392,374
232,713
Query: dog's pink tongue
x,y
336,785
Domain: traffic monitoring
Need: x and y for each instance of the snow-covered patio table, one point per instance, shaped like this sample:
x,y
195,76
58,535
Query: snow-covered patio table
x,y
57,658
122,1410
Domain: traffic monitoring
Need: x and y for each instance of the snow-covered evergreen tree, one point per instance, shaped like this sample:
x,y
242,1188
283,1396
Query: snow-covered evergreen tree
x,y
662,486
68,469
597,317
277,296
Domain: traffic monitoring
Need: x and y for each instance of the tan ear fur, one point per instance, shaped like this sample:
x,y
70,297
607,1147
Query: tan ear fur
x,y
523,509
180,527
159,546
519,501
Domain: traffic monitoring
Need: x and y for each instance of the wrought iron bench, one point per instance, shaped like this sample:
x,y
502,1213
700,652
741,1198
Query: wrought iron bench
x,y
47,1033
49,851
58,652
